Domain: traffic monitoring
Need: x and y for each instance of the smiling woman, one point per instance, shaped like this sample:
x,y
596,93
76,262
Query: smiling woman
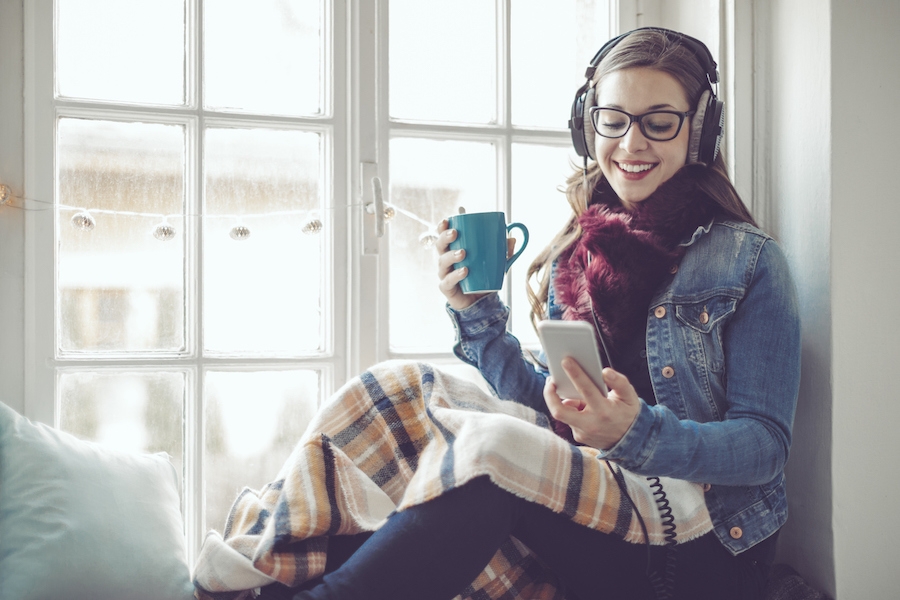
x,y
662,258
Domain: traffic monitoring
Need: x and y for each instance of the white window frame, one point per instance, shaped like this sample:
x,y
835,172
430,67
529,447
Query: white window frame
x,y
371,158
43,364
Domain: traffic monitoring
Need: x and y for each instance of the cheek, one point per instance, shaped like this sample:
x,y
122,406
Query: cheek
x,y
680,151
603,148
674,159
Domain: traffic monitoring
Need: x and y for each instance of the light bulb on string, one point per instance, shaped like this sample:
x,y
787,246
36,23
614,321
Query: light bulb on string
x,y
428,239
240,232
5,194
312,226
83,220
164,232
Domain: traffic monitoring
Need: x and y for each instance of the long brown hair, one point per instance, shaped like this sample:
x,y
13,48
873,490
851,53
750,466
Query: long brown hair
x,y
654,50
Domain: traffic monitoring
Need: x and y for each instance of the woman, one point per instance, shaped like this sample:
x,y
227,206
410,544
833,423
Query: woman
x,y
696,302
700,321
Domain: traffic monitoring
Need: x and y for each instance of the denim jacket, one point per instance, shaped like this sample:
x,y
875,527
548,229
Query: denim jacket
x,y
723,350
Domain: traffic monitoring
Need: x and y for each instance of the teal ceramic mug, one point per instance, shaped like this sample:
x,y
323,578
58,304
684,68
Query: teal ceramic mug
x,y
483,237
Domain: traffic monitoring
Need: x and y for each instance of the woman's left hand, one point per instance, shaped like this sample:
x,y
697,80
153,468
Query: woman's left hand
x,y
596,420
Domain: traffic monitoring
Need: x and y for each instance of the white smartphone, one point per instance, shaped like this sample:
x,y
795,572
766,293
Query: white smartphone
x,y
576,339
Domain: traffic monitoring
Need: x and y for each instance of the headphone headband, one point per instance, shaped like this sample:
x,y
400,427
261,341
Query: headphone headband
x,y
704,56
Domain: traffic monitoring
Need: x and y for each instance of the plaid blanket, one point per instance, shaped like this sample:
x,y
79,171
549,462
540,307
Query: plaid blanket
x,y
402,434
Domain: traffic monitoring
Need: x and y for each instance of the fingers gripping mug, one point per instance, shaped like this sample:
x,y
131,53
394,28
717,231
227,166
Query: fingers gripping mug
x,y
483,237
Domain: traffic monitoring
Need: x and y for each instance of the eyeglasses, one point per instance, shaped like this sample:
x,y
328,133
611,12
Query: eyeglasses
x,y
658,125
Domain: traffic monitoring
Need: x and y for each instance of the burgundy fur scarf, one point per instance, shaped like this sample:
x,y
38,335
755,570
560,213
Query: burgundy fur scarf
x,y
624,256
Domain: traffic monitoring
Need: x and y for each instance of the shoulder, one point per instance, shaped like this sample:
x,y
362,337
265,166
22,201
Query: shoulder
x,y
748,243
735,239
728,256
723,231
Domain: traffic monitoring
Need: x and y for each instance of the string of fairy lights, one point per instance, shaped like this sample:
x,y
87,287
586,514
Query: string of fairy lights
x,y
84,219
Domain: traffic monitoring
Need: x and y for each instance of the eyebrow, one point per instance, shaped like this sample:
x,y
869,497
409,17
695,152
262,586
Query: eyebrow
x,y
654,107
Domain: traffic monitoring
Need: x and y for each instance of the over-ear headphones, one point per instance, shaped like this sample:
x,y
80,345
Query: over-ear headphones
x,y
707,124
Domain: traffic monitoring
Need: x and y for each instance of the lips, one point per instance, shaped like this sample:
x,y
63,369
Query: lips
x,y
634,171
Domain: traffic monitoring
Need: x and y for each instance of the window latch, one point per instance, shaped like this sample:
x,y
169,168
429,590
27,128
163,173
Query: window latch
x,y
372,200
376,207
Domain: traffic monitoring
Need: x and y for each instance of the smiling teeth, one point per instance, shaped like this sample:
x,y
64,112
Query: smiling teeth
x,y
635,168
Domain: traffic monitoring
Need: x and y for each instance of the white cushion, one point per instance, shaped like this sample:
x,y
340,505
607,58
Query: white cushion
x,y
78,520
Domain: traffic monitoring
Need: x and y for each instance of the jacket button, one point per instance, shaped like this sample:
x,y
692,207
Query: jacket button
x,y
674,269
706,487
668,372
736,533
704,317
660,312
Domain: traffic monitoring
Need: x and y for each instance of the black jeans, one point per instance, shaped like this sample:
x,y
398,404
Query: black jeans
x,y
434,550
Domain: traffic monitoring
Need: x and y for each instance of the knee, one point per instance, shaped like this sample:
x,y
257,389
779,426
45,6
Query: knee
x,y
483,495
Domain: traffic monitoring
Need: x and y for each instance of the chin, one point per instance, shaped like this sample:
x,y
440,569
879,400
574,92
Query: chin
x,y
630,195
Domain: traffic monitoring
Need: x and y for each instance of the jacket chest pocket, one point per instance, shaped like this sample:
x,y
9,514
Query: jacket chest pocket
x,y
702,323
703,316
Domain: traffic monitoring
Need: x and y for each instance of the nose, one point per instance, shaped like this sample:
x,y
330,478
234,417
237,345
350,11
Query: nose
x,y
633,140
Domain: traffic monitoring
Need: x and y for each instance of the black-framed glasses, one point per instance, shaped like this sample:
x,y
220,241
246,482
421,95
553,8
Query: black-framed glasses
x,y
658,125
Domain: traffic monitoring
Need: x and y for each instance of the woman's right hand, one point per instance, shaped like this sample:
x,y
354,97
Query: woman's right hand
x,y
449,276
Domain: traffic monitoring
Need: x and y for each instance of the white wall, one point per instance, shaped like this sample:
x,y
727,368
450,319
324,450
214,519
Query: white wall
x,y
697,18
793,154
865,283
831,199
12,263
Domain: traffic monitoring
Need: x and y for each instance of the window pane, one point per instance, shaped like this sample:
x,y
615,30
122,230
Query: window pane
x,y
538,173
546,75
252,422
443,58
430,180
265,57
121,51
120,288
131,411
264,294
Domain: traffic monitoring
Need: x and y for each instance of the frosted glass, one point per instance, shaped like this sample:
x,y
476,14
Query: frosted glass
x,y
546,75
253,420
265,57
538,174
264,294
430,180
121,51
120,289
129,411
443,58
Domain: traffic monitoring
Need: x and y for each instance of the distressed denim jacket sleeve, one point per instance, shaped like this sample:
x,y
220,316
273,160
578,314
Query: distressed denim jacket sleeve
x,y
484,342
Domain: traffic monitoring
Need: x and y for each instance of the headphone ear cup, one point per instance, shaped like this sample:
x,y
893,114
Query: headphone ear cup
x,y
707,129
581,129
713,131
588,124
576,123
695,138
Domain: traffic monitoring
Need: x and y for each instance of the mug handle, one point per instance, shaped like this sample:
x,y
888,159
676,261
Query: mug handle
x,y
524,230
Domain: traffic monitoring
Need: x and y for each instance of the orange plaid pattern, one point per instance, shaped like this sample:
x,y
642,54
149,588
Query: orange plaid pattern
x,y
399,435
